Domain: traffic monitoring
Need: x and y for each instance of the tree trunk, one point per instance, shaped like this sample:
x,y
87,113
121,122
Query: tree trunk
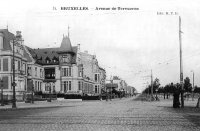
x,y
198,102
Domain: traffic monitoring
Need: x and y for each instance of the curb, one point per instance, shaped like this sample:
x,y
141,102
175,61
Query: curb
x,y
27,108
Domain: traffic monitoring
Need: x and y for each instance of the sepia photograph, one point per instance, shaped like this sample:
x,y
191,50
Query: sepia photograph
x,y
91,65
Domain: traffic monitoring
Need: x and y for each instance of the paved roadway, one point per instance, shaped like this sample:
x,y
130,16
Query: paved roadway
x,y
117,115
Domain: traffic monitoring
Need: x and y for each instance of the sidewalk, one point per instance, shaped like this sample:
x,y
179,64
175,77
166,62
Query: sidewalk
x,y
36,104
53,103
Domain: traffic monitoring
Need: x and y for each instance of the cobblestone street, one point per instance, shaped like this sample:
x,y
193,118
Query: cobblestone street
x,y
119,114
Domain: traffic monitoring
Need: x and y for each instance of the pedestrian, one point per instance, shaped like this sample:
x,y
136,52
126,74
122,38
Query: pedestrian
x,y
176,102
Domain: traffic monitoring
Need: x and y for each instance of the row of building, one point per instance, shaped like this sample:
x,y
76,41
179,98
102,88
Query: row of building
x,y
64,69
119,85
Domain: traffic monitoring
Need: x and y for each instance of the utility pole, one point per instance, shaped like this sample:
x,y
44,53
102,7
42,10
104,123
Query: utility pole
x,y
111,88
151,85
181,64
193,87
14,84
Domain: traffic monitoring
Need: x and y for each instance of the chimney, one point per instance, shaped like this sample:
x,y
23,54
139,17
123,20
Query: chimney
x,y
18,35
78,46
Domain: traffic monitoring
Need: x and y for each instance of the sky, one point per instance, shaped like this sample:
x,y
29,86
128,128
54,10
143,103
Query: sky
x,y
127,43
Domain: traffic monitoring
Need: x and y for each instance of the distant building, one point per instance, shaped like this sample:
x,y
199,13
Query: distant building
x,y
120,85
102,78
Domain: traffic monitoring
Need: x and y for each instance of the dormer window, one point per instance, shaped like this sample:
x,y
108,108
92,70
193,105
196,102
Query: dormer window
x,y
55,59
47,60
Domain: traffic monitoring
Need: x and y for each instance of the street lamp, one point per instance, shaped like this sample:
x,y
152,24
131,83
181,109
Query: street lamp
x,y
1,84
32,91
14,84
49,85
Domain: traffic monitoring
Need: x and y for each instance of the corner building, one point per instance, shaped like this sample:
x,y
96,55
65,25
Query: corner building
x,y
7,40
64,70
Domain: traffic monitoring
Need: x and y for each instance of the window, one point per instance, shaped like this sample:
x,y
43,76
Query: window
x,y
65,86
5,82
5,64
40,86
79,85
36,85
36,71
19,66
82,86
64,59
95,78
24,68
96,91
29,71
98,78
0,64
70,71
49,73
54,88
69,85
46,87
40,73
67,71
47,61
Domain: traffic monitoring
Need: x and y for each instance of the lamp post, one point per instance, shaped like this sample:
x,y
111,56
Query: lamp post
x,y
14,84
32,91
111,89
1,84
49,85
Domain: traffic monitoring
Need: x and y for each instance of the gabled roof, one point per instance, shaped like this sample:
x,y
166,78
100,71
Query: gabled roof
x,y
27,54
8,36
102,69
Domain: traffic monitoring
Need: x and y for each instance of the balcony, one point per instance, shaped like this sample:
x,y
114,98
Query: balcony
x,y
49,74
